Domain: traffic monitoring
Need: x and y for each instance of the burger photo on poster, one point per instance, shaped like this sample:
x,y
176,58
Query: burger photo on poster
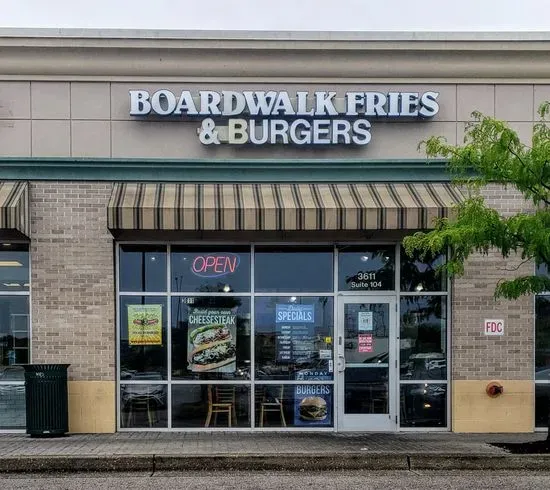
x,y
313,408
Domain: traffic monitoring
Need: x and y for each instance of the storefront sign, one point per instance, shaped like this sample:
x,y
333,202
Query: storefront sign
x,y
365,342
312,405
278,117
493,327
211,340
215,265
145,324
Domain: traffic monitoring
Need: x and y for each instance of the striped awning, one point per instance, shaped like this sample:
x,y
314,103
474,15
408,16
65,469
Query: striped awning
x,y
279,207
14,207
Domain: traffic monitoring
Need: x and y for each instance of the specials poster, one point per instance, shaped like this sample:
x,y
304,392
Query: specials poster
x,y
212,340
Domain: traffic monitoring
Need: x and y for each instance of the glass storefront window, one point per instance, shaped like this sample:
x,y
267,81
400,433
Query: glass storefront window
x,y
366,268
142,268
542,404
294,337
143,342
542,352
14,333
244,336
543,270
210,269
143,406
14,330
423,405
210,406
294,405
366,390
423,349
542,338
422,275
293,269
14,267
211,337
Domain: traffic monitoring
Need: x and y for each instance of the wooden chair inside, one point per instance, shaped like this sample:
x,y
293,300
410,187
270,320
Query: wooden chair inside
x,y
272,404
221,400
141,404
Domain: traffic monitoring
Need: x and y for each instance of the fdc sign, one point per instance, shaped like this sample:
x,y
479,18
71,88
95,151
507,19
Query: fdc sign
x,y
494,327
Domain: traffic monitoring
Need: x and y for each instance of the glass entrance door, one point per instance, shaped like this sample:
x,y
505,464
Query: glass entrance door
x,y
367,363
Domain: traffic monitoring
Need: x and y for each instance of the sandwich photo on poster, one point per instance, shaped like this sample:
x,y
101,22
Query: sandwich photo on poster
x,y
145,324
312,405
212,340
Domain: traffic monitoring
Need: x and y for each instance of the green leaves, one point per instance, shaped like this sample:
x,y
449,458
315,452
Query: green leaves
x,y
493,153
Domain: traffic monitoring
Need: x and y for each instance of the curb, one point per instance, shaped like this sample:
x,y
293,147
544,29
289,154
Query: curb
x,y
273,462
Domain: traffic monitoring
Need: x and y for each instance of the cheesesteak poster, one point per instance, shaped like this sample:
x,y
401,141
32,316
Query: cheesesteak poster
x,y
211,340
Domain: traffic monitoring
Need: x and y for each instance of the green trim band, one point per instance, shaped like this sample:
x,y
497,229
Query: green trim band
x,y
158,170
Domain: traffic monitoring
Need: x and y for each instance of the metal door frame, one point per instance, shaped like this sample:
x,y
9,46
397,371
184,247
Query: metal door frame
x,y
368,422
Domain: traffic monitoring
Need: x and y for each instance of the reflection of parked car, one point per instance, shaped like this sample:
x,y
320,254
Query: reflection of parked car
x,y
12,406
379,359
437,364
542,373
425,365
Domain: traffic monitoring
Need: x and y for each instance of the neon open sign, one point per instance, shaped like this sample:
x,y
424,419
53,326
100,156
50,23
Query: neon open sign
x,y
215,265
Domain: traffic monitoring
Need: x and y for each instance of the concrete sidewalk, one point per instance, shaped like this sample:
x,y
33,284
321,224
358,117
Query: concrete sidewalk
x,y
160,451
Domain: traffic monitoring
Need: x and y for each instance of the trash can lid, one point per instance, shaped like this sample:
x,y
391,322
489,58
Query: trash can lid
x,y
33,368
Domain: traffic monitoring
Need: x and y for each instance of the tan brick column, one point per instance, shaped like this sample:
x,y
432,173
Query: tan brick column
x,y
478,359
73,295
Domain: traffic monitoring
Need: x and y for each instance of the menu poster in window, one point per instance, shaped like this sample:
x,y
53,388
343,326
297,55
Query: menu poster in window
x,y
295,328
312,405
145,324
212,340
364,321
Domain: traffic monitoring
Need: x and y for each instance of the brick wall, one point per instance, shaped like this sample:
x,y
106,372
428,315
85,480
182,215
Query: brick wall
x,y
73,297
475,355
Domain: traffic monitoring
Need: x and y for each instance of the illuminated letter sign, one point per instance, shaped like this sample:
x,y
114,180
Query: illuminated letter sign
x,y
280,117
215,265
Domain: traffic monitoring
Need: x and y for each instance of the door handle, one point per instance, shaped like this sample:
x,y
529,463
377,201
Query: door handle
x,y
341,364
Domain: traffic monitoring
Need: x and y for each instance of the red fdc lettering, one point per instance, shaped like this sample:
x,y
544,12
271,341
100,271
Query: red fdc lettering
x,y
493,327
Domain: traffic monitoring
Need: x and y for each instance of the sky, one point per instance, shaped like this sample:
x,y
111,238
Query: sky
x,y
281,15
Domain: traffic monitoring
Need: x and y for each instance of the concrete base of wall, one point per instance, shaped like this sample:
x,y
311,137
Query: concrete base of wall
x,y
92,407
474,411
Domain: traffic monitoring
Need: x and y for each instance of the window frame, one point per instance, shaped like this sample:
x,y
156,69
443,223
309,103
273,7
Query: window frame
x,y
538,428
28,294
252,382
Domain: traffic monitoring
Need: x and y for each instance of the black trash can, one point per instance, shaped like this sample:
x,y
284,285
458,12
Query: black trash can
x,y
46,399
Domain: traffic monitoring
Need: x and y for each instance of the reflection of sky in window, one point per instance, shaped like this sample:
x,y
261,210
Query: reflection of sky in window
x,y
543,270
366,259
142,265
309,271
423,308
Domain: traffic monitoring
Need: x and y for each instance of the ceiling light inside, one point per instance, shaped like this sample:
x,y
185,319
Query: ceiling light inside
x,y
10,263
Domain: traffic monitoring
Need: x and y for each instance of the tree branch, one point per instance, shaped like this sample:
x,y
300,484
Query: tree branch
x,y
526,167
